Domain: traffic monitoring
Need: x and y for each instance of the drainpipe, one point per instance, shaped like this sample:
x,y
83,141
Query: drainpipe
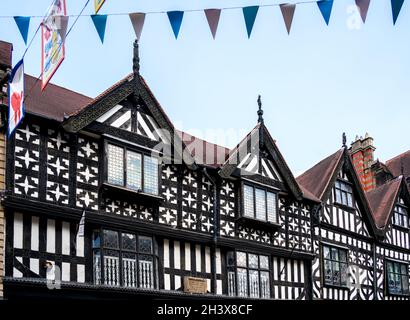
x,y
215,233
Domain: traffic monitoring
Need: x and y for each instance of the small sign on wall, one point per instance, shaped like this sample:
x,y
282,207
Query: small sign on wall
x,y
195,285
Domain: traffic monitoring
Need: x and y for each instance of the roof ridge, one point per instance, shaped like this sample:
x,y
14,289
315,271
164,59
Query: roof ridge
x,y
196,137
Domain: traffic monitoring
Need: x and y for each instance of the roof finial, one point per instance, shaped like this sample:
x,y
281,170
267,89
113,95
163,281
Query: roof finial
x,y
260,111
136,58
344,139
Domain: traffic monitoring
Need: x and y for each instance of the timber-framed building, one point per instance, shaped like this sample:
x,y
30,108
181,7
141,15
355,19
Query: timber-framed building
x,y
107,199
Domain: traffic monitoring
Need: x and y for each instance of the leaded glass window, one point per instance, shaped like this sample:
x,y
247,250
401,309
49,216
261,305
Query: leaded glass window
x,y
125,259
397,278
150,175
401,217
115,170
248,204
131,169
335,266
248,275
259,204
343,193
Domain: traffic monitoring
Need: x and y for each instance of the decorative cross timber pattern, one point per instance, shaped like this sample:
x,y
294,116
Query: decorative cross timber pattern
x,y
353,281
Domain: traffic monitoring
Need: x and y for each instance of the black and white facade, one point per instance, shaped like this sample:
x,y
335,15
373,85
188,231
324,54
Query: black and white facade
x,y
112,201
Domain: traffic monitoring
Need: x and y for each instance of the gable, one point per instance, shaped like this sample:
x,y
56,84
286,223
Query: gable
x,y
133,119
349,217
257,158
255,164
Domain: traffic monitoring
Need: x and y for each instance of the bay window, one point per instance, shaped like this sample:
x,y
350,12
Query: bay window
x,y
335,266
133,170
397,275
124,259
259,204
248,275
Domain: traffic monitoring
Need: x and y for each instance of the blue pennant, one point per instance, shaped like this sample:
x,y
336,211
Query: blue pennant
x,y
175,18
23,23
396,7
325,7
100,21
249,13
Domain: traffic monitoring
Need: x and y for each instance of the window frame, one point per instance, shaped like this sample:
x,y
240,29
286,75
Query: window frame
x,y
266,190
386,277
406,214
322,260
336,189
102,248
143,153
259,269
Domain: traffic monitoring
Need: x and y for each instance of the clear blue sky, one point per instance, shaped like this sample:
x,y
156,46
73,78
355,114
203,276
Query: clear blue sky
x,y
315,83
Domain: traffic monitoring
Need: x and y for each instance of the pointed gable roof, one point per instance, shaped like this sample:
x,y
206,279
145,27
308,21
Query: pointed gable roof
x,y
247,144
382,200
317,178
320,179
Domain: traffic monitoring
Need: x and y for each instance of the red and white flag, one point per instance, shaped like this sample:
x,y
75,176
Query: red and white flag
x,y
16,96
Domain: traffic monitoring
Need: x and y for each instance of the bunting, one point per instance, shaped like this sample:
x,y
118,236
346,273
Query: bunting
x,y
325,7
249,14
23,24
52,45
100,22
137,21
16,96
363,6
396,7
213,15
175,18
288,11
97,5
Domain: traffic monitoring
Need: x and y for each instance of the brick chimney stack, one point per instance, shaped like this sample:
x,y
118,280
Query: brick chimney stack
x,y
362,153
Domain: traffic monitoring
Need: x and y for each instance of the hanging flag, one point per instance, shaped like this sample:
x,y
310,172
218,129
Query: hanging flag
x,y
249,13
16,96
137,20
23,24
100,22
80,230
288,10
97,5
396,7
61,24
175,18
52,45
363,6
213,15
325,7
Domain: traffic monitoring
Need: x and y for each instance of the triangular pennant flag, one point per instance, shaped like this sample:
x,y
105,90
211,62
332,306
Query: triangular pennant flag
x,y
363,6
288,10
137,20
249,13
175,18
100,21
212,15
325,7
16,96
23,24
61,23
396,7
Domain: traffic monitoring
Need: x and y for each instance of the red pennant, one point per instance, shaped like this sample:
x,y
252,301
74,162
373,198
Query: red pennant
x,y
288,10
212,15
137,20
363,6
